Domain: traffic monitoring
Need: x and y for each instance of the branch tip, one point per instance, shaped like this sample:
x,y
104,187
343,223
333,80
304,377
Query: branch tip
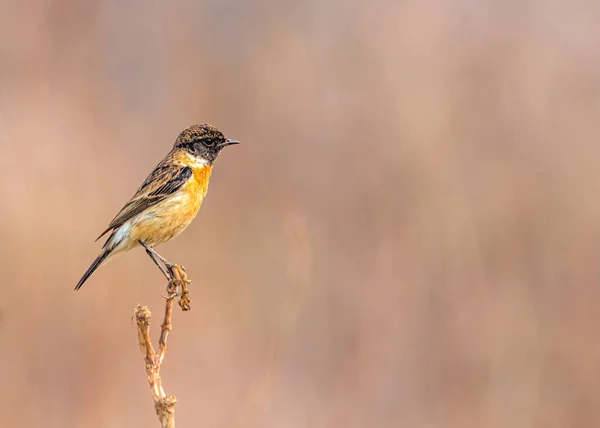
x,y
164,404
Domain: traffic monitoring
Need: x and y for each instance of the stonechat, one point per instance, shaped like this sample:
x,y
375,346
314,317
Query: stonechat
x,y
167,201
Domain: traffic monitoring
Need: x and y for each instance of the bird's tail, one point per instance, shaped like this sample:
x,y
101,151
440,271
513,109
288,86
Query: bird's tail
x,y
99,260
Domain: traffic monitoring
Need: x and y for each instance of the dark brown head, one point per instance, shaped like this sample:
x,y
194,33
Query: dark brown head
x,y
204,142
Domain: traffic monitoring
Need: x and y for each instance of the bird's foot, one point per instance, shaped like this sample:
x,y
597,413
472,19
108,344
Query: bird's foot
x,y
172,289
171,295
171,266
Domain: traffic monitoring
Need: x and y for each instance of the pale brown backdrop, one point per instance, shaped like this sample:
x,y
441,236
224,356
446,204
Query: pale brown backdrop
x,y
409,235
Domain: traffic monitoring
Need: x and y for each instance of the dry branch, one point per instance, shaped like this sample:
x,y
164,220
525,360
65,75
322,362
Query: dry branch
x,y
164,404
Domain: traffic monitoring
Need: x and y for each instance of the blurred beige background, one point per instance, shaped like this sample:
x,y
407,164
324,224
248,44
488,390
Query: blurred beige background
x,y
409,235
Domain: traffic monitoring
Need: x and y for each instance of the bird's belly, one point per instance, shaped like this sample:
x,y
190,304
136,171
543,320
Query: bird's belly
x,y
167,219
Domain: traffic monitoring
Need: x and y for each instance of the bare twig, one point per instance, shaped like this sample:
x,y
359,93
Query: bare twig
x,y
164,404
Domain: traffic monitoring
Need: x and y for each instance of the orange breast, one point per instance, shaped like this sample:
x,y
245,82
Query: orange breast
x,y
170,217
196,190
201,178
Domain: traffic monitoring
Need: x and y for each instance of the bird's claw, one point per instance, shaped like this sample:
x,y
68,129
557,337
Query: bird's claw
x,y
172,294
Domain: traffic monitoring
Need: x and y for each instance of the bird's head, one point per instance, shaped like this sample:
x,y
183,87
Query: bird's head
x,y
203,142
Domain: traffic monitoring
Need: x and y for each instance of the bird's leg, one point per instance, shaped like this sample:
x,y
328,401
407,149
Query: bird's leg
x,y
162,269
168,273
167,263
153,255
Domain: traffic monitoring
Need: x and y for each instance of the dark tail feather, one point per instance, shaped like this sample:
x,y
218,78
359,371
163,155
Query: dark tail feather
x,y
92,268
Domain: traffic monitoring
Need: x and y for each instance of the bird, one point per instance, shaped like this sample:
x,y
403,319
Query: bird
x,y
167,201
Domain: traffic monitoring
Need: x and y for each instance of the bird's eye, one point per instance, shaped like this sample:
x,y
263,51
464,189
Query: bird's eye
x,y
208,142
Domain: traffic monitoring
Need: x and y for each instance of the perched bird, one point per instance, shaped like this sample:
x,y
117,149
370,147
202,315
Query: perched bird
x,y
167,201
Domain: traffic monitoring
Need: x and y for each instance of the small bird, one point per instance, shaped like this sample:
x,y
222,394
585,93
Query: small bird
x,y
167,201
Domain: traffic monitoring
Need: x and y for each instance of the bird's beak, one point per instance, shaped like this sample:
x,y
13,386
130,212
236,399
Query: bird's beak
x,y
228,142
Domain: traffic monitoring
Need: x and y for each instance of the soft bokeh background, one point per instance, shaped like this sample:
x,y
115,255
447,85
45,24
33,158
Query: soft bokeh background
x,y
408,236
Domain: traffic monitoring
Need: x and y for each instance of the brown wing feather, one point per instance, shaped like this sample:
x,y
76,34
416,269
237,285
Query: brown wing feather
x,y
165,180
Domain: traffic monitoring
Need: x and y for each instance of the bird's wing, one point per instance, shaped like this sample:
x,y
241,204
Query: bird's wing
x,y
165,180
